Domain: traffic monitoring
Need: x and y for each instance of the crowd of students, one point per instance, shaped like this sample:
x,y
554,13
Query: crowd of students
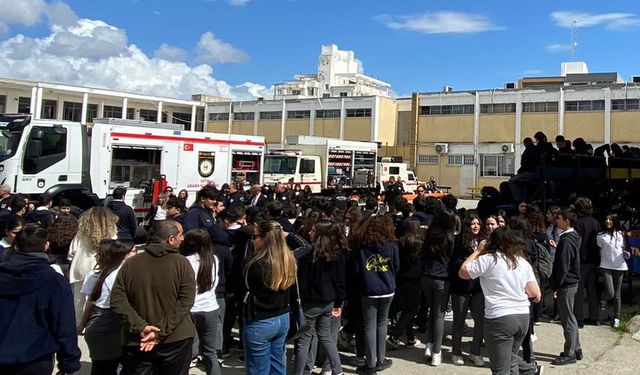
x,y
280,265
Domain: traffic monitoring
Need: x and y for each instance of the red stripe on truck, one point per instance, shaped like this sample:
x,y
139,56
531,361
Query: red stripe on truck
x,y
184,139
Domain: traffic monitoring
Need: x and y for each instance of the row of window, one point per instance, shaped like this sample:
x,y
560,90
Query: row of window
x,y
570,106
463,109
499,165
277,115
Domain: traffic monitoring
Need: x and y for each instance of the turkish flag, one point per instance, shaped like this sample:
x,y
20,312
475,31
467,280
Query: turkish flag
x,y
188,146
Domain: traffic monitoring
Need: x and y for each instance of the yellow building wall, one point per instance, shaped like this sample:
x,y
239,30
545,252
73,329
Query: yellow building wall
x,y
492,181
327,128
387,121
357,129
244,127
297,127
497,128
535,122
218,126
588,125
454,129
404,151
444,174
625,126
270,129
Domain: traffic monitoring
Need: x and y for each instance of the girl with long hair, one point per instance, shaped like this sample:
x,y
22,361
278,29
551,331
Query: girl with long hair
x,y
101,326
437,251
321,276
466,294
268,275
13,226
377,262
508,283
408,280
95,224
198,250
612,244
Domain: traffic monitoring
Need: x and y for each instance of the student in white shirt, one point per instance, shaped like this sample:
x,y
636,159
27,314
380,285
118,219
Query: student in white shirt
x,y
102,327
508,284
613,263
197,248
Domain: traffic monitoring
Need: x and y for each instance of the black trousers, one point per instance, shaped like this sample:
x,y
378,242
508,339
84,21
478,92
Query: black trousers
x,y
164,359
40,366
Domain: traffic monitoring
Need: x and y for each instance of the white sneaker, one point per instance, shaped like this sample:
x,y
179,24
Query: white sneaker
x,y
436,359
534,338
428,352
477,360
616,323
457,360
327,372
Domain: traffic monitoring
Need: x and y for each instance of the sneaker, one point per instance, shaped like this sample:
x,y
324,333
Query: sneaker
x,y
539,370
534,338
564,360
537,324
436,359
603,305
327,372
428,352
579,354
412,343
393,343
616,323
385,364
195,361
457,360
364,370
356,361
477,360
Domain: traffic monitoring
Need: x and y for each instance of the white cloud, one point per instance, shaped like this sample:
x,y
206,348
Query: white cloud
x,y
557,47
213,50
239,2
95,54
23,12
156,12
171,53
446,22
611,21
60,13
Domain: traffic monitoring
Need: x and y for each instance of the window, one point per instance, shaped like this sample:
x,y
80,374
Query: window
x,y
49,109
428,159
72,111
50,145
307,166
219,116
497,165
359,112
540,107
112,112
24,105
311,91
328,113
584,105
343,94
469,159
131,113
181,118
454,159
243,116
295,92
624,104
498,108
148,115
298,114
3,103
462,109
271,115
92,112
394,170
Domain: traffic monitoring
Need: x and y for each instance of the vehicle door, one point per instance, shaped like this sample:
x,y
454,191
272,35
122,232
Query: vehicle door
x,y
46,159
170,162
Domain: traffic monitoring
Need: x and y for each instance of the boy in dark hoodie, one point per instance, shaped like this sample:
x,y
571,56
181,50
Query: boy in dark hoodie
x,y
41,215
37,319
127,223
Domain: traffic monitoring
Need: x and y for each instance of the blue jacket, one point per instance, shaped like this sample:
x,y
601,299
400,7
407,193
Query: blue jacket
x,y
36,313
378,264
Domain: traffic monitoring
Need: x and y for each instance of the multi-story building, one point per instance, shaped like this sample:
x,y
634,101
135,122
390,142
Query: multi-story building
x,y
339,74
83,104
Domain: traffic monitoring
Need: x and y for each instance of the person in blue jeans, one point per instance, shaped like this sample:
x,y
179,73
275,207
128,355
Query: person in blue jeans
x,y
268,275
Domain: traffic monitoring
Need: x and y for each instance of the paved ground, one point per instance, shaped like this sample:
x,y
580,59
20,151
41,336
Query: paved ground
x,y
605,352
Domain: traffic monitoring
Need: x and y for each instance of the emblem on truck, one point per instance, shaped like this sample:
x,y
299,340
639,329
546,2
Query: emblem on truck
x,y
206,162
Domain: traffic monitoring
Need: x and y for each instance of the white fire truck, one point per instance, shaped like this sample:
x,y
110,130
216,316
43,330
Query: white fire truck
x,y
85,164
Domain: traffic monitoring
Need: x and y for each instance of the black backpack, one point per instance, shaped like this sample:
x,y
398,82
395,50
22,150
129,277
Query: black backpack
x,y
545,261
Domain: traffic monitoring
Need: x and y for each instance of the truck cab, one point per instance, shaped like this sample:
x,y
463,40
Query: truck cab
x,y
394,166
292,167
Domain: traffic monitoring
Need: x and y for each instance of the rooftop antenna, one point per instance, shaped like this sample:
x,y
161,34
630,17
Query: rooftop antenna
x,y
574,43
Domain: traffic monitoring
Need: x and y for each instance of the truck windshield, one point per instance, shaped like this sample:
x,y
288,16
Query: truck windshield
x,y
9,140
280,164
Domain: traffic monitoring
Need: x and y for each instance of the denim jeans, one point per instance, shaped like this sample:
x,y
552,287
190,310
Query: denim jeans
x,y
612,287
264,345
207,328
375,312
436,292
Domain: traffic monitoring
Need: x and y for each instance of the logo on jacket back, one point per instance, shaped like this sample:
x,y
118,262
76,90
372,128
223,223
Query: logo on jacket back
x,y
377,263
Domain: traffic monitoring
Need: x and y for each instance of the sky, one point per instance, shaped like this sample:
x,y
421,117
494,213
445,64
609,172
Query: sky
x,y
240,48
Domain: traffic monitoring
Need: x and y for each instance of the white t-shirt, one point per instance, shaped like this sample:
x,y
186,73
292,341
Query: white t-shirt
x,y
105,294
205,302
161,214
503,287
611,247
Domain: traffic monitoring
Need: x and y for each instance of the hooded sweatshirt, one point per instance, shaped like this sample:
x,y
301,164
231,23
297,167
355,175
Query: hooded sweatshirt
x,y
127,223
158,288
36,313
377,265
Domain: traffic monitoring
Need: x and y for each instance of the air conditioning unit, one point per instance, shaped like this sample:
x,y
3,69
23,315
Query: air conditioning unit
x,y
635,79
508,148
442,148
447,88
510,85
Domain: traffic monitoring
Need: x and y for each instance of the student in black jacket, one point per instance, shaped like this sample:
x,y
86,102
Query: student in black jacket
x,y
588,229
321,277
127,223
566,275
